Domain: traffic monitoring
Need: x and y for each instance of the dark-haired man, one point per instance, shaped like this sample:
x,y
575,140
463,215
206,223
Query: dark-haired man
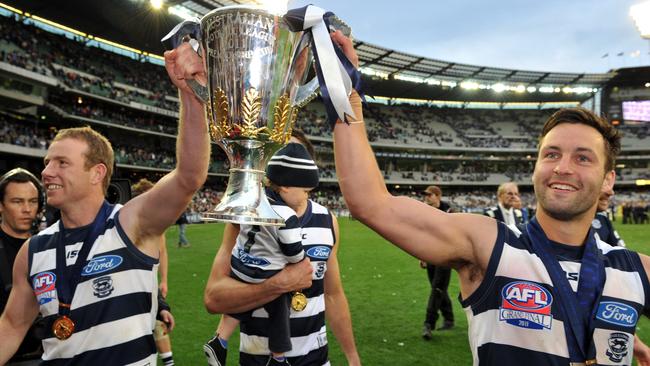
x,y
20,202
439,277
521,307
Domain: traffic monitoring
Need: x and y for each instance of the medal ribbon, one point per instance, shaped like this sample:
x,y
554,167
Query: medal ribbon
x,y
66,287
578,309
336,74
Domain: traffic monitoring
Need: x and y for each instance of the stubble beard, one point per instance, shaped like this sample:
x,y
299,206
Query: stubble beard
x,y
570,211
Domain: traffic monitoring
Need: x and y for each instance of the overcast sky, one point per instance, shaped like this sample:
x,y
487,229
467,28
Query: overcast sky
x,y
547,35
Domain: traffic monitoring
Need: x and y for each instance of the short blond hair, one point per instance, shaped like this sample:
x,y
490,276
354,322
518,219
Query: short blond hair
x,y
99,149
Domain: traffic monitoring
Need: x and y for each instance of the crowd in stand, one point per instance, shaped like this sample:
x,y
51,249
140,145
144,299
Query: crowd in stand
x,y
443,127
24,134
93,70
88,68
116,114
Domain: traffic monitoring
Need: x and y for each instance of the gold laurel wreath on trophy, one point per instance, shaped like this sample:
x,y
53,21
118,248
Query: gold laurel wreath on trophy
x,y
283,115
221,128
251,106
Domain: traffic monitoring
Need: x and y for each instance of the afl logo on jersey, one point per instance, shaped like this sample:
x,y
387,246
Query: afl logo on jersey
x,y
44,282
319,252
526,305
44,285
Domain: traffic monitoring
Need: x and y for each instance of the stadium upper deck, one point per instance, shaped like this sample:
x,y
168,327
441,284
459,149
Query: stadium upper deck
x,y
415,144
387,72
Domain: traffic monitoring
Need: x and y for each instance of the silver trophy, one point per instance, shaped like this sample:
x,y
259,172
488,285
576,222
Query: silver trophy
x,y
256,71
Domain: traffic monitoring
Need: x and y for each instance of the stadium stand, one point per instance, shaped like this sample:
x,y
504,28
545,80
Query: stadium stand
x,y
63,80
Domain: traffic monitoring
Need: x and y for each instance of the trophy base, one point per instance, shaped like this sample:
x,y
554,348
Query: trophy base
x,y
242,219
245,202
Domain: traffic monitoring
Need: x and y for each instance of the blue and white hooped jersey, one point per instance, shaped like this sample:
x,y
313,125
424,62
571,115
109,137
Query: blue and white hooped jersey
x,y
262,251
115,303
513,316
308,332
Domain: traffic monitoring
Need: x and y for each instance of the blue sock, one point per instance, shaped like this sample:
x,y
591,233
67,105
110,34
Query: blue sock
x,y
279,358
224,343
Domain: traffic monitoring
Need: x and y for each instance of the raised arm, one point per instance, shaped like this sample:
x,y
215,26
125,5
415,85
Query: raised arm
x,y
337,311
226,295
149,214
21,309
434,236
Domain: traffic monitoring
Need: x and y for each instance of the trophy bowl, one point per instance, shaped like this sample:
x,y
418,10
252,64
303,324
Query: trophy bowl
x,y
256,70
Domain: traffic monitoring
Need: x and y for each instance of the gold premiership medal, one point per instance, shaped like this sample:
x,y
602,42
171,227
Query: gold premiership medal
x,y
63,327
298,301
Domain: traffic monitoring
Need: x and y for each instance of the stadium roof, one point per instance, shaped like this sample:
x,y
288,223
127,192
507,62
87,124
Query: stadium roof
x,y
136,24
393,62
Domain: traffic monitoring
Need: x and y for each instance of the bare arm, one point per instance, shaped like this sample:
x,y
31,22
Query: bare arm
x,y
226,295
164,265
439,238
21,309
146,217
641,352
337,311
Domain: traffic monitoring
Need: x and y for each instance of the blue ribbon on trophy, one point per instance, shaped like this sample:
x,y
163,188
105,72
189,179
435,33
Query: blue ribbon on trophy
x,y
336,74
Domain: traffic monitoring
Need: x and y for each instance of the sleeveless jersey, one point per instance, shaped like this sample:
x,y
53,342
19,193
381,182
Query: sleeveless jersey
x,y
513,316
115,303
308,332
603,227
262,251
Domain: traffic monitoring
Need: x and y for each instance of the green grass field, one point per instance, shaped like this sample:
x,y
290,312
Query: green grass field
x,y
386,289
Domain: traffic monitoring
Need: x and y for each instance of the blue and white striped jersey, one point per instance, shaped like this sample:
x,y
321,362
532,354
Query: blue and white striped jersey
x,y
262,251
308,332
513,316
115,303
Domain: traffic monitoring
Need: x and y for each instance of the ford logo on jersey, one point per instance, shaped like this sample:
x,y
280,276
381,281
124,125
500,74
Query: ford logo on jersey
x,y
101,264
319,252
43,282
250,260
526,305
617,313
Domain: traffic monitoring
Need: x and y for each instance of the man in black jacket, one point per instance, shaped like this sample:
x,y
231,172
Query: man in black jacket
x,y
21,200
507,195
438,277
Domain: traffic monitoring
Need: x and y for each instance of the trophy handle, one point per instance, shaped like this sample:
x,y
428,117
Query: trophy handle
x,y
307,92
187,31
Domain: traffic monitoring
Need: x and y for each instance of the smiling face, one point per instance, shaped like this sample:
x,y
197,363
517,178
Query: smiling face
x,y
570,172
66,178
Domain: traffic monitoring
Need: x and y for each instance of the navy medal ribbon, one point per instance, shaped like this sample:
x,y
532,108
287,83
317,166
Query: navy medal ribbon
x,y
68,277
578,309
